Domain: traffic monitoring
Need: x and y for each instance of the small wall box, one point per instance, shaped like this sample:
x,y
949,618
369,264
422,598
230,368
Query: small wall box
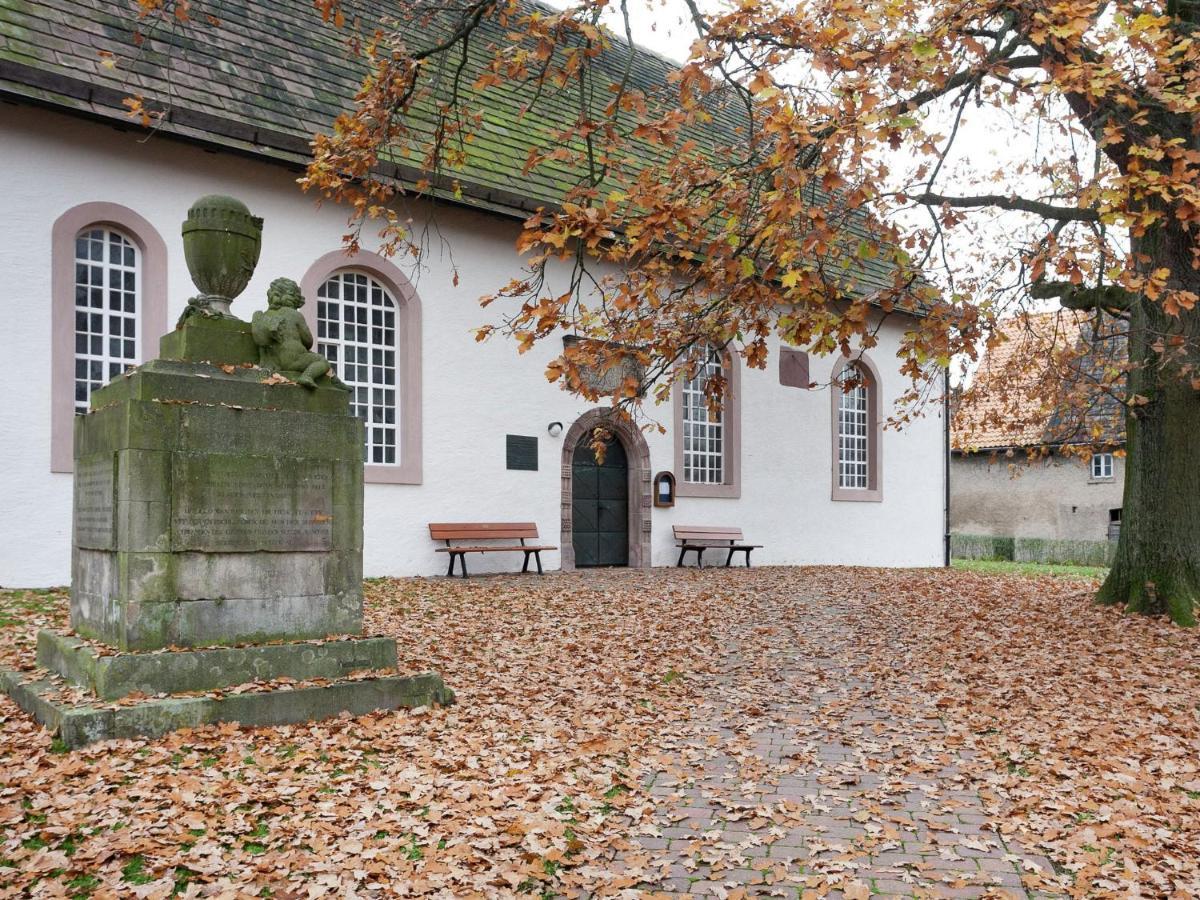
x,y
664,489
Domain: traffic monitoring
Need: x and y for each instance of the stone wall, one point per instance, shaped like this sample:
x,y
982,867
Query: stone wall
x,y
1055,498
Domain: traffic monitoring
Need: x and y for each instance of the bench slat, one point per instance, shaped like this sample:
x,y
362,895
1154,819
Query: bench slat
x,y
706,533
463,548
481,531
723,545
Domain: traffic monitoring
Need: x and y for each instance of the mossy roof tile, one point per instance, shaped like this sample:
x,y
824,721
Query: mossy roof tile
x,y
274,67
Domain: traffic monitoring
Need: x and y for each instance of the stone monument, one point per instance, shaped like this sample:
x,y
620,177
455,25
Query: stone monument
x,y
217,528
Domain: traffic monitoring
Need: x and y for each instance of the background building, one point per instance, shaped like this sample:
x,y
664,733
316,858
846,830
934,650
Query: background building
x,y
1019,471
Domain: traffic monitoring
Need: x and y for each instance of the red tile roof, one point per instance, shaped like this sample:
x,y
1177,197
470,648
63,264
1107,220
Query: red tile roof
x,y
1034,387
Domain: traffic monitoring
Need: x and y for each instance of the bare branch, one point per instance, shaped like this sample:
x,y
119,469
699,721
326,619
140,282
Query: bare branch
x,y
999,201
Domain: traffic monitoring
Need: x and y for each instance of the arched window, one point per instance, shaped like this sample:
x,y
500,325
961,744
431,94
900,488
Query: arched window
x,y
108,308
707,442
703,427
107,294
856,431
366,319
356,332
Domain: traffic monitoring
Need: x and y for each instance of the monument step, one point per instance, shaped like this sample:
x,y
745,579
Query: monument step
x,y
212,384
81,722
111,676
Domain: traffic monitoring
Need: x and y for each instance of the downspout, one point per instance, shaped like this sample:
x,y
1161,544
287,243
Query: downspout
x,y
946,464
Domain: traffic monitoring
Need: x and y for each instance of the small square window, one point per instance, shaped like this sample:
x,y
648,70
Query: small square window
x,y
1102,466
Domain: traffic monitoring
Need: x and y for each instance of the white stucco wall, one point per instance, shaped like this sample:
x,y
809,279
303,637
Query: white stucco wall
x,y
474,394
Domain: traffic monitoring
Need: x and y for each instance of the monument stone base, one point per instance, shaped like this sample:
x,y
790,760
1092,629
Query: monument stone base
x,y
85,692
84,720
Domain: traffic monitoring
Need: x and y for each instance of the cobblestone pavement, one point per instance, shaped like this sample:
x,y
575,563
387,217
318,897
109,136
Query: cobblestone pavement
x,y
813,780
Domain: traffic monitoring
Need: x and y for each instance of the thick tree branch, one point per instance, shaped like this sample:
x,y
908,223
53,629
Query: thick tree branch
x,y
1110,298
965,77
999,201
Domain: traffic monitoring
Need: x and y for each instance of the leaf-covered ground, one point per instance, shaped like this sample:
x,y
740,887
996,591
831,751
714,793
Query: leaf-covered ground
x,y
773,731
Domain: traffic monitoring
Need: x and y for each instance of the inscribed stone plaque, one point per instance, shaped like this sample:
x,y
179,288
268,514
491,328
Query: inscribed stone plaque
x,y
521,452
248,503
94,502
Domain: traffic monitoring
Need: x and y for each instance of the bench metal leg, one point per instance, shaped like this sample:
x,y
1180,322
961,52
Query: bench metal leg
x,y
729,558
462,562
747,559
537,555
681,553
450,569
525,565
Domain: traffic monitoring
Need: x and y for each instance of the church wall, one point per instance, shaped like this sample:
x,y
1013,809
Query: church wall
x,y
473,395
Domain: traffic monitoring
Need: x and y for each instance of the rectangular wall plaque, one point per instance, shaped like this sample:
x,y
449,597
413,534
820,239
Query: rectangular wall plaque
x,y
793,367
522,452
245,503
94,502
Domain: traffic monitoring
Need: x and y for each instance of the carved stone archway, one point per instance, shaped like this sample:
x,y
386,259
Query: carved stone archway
x,y
640,498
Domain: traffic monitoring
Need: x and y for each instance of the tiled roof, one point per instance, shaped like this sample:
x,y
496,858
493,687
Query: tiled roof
x,y
1003,407
272,73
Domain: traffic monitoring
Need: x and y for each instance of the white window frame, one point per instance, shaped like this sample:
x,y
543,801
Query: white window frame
x,y
854,432
107,340
1102,466
373,375
704,438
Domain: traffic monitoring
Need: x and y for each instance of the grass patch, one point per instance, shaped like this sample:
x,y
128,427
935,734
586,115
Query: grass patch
x,y
135,872
19,606
83,885
994,567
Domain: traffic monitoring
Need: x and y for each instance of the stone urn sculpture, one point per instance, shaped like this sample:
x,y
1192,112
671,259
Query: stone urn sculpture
x,y
221,243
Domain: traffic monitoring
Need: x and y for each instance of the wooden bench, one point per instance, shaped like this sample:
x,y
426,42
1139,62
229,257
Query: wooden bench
x,y
452,532
698,538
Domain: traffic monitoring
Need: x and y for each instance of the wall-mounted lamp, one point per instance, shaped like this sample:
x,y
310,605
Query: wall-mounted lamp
x,y
555,429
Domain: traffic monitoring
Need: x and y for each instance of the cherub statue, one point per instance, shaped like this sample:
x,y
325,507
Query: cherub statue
x,y
284,339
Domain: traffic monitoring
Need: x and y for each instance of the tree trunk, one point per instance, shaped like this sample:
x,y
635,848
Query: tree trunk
x,y
1157,565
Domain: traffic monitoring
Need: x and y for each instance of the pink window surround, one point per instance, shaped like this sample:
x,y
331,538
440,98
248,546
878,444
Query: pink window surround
x,y
408,366
873,493
151,312
731,437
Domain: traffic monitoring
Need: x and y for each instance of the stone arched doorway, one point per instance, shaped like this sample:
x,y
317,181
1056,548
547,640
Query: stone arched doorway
x,y
637,455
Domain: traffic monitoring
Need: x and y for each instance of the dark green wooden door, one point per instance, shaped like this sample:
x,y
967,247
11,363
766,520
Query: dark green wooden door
x,y
600,506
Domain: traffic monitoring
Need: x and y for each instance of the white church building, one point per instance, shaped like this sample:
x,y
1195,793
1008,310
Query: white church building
x,y
94,274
